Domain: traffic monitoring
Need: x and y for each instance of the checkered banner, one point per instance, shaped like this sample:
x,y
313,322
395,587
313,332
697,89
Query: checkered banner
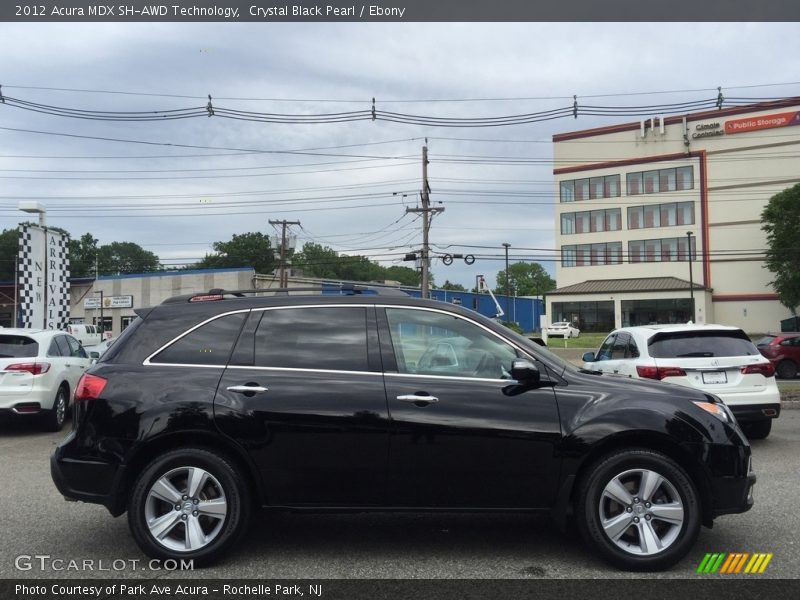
x,y
43,278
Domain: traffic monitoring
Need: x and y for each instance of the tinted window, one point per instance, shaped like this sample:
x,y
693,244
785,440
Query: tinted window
x,y
54,350
17,346
431,343
690,344
329,338
604,353
620,346
209,344
63,346
75,347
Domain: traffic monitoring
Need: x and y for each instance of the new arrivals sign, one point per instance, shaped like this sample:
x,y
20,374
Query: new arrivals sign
x,y
43,278
763,122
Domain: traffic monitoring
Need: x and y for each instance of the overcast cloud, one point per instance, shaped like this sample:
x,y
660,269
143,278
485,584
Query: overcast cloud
x,y
314,65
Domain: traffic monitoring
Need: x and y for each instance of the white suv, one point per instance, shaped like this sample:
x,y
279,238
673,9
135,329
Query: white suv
x,y
39,371
713,358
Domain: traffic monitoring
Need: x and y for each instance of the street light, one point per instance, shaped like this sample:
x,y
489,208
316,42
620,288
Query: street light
x,y
506,245
33,207
689,235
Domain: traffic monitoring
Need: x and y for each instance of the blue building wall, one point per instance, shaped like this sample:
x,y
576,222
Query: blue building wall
x,y
524,311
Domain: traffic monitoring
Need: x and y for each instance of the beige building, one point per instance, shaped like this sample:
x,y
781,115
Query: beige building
x,y
122,294
644,208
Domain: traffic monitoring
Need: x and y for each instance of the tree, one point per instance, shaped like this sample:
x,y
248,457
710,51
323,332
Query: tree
x,y
242,250
82,254
315,260
527,279
9,247
453,287
119,258
405,275
781,222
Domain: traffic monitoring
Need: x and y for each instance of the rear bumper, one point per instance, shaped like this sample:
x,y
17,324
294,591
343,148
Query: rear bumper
x,y
755,412
87,480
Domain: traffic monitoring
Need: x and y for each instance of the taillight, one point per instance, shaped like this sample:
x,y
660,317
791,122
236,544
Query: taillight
x,y
207,298
90,387
34,368
659,373
765,369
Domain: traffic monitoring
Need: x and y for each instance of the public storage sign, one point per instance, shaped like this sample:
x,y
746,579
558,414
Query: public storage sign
x,y
762,122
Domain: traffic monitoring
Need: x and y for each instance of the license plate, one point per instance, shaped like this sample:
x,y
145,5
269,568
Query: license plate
x,y
715,377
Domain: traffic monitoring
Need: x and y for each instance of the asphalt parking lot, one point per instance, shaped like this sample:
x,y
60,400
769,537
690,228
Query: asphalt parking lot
x,y
37,521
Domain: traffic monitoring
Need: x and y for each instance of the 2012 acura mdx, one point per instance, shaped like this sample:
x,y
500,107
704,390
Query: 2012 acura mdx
x,y
211,405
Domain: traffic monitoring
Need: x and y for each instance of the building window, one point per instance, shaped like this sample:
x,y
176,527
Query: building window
x,y
591,221
661,180
567,223
568,256
591,254
567,191
584,189
661,215
661,250
684,178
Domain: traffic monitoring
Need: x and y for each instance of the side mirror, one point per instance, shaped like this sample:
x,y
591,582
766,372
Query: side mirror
x,y
524,371
588,357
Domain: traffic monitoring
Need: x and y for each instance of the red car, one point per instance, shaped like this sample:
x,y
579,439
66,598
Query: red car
x,y
783,351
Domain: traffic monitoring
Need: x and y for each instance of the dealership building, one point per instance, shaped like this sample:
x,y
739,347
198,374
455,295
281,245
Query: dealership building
x,y
659,221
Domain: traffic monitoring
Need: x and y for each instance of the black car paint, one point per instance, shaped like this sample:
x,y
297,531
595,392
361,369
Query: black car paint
x,y
341,442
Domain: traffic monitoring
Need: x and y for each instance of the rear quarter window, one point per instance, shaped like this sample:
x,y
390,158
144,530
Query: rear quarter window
x,y
18,346
699,344
209,344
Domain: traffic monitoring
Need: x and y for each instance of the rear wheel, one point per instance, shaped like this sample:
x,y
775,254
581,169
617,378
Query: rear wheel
x,y
188,504
757,430
53,419
787,369
639,509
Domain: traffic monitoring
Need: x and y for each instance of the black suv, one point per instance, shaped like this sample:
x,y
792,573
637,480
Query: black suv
x,y
210,405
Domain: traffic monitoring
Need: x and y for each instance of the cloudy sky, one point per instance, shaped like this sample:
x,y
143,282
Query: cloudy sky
x,y
190,182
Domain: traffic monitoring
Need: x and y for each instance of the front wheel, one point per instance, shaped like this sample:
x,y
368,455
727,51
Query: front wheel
x,y
188,504
639,509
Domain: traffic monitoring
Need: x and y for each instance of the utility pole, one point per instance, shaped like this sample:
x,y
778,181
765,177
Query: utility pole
x,y
427,213
506,245
284,276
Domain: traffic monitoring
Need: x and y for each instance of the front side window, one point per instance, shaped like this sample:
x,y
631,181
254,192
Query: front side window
x,y
331,338
604,353
432,343
75,347
209,344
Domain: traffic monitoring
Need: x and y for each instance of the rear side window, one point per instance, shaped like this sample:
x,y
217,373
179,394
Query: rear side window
x,y
209,344
18,346
698,344
327,338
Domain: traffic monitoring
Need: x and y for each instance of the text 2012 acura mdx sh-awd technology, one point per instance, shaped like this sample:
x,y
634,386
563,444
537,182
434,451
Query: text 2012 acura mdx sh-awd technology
x,y
210,405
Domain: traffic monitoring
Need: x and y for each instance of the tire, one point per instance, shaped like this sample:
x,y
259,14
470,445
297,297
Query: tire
x,y
198,526
787,369
631,542
53,419
758,430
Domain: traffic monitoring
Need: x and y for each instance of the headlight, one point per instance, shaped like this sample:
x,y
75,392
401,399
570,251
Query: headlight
x,y
718,410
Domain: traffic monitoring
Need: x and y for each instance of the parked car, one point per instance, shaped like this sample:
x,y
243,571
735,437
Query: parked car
x,y
98,350
211,404
711,358
39,371
563,329
783,351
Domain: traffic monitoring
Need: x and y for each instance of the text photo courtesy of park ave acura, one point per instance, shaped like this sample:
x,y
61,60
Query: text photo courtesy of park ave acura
x,y
330,300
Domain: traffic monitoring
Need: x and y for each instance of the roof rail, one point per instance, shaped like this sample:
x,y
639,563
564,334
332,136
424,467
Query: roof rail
x,y
343,289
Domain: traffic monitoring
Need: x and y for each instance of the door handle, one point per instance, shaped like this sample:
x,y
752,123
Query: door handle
x,y
418,399
247,389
